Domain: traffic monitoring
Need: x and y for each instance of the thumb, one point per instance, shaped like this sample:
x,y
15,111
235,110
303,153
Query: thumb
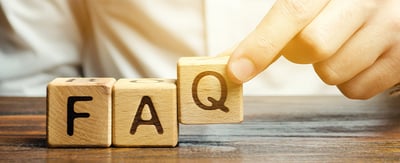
x,y
262,46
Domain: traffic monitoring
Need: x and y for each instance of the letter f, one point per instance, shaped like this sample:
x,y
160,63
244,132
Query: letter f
x,y
71,114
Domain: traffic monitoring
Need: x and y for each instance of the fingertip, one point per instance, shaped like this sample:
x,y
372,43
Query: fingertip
x,y
240,70
231,74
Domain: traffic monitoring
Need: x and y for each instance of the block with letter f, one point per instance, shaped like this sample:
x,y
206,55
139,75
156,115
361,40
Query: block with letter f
x,y
79,112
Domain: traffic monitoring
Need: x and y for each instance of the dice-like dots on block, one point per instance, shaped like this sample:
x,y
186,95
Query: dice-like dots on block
x,y
79,112
206,95
145,113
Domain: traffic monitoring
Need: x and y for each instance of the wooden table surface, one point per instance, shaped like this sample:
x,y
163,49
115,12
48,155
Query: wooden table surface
x,y
275,129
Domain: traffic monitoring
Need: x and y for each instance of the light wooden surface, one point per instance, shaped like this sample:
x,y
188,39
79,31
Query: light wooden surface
x,y
145,113
275,129
79,112
205,94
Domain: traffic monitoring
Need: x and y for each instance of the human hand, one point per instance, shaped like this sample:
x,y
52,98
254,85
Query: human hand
x,y
353,44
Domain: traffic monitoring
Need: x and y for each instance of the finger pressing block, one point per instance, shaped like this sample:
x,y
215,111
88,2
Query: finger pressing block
x,y
145,113
79,112
205,94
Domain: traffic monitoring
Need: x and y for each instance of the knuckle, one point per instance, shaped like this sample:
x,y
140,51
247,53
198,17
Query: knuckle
x,y
355,92
328,74
307,48
301,11
317,42
296,9
266,44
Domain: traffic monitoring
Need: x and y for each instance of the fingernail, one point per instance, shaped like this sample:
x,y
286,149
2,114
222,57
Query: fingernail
x,y
242,69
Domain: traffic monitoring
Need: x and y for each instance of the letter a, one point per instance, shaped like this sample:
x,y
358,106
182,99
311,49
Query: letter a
x,y
138,117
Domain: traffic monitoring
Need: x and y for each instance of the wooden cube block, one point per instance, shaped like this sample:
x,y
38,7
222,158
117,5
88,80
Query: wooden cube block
x,y
145,113
79,112
205,94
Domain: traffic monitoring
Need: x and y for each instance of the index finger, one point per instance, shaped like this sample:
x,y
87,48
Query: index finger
x,y
262,46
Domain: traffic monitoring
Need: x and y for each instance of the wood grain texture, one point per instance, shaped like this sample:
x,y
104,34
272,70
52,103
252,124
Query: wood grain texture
x,y
205,94
79,112
134,123
275,129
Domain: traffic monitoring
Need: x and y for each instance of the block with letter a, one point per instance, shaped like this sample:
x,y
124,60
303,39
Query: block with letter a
x,y
79,112
205,94
145,113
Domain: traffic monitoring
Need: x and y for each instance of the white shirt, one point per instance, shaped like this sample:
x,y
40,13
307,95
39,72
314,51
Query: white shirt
x,y
44,39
